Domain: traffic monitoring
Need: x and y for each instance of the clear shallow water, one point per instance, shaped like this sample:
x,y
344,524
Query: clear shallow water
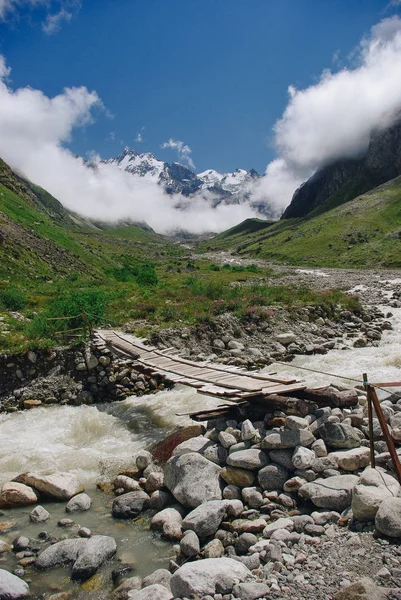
x,y
96,443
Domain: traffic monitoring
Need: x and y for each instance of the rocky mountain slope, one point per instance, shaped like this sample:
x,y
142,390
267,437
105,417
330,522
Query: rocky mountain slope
x,y
175,178
39,238
345,179
364,232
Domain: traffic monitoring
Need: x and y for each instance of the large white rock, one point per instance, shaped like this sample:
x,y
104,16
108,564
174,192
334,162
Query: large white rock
x,y
80,502
12,587
202,577
59,486
195,444
206,518
252,459
351,460
373,487
85,555
282,523
169,521
151,592
14,494
388,517
303,458
334,493
192,479
289,438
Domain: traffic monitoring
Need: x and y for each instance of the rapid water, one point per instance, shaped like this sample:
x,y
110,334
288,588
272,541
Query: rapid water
x,y
96,443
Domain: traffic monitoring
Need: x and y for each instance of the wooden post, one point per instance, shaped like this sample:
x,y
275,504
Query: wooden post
x,y
87,322
386,431
370,417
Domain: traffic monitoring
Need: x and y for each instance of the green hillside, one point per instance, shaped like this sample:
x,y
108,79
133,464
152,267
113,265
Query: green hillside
x,y
364,232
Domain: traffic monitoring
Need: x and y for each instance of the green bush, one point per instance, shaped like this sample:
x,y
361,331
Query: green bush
x,y
12,299
146,275
72,304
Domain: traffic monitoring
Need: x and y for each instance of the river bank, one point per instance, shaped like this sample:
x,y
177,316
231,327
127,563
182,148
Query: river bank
x,y
109,438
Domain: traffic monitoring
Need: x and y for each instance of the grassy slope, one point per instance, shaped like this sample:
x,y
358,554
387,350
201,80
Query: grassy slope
x,y
364,232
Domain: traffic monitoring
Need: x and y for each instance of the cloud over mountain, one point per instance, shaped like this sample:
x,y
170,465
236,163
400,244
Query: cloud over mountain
x,y
335,117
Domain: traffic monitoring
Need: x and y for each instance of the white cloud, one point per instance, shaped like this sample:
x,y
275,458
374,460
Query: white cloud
x,y
66,10
335,118
183,150
53,22
33,130
139,136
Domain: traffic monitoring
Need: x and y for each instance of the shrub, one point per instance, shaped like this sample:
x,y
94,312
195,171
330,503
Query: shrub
x,y
12,299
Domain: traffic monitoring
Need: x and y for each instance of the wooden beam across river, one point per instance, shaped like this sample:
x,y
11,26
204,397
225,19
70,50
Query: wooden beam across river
x,y
228,382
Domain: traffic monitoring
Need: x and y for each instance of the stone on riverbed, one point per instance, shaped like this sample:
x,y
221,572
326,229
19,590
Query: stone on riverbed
x,y
251,591
238,477
39,515
190,545
272,477
12,587
152,592
86,555
193,479
388,517
373,487
251,459
160,576
130,505
289,438
208,576
195,444
128,484
351,460
206,518
169,521
334,493
15,494
339,435
59,486
80,502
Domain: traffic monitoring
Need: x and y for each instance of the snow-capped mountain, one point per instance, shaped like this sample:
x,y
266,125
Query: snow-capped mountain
x,y
176,178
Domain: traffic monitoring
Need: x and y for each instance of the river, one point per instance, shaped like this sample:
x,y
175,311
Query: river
x,y
96,442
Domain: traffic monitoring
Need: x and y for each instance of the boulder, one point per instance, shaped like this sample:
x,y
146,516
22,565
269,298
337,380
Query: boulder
x,y
128,484
303,458
206,518
192,479
80,502
226,439
160,499
169,521
122,591
248,526
143,459
282,457
252,459
251,591
58,486
152,592
289,438
214,549
239,477
294,422
195,444
189,544
160,576
12,587
130,505
15,494
4,547
85,555
388,517
216,454
39,515
351,460
248,431
339,435
373,487
364,589
208,576
334,493
282,523
154,482
272,477
163,450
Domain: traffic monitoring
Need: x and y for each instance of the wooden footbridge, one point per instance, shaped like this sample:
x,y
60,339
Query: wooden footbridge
x,y
229,382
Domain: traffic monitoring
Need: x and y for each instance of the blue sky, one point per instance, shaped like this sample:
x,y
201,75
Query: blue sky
x,y
212,73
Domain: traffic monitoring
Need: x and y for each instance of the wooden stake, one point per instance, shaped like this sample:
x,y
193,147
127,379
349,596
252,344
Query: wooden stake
x,y
370,417
387,435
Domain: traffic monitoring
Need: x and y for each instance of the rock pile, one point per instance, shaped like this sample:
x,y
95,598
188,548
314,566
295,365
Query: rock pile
x,y
84,375
265,505
275,333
